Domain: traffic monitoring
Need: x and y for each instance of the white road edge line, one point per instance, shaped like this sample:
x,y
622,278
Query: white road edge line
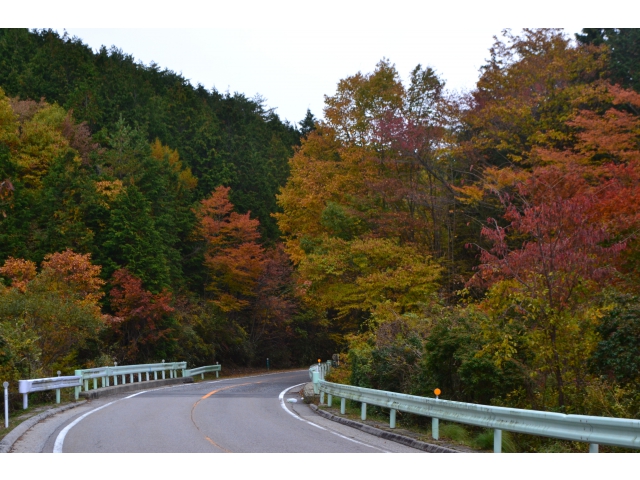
x,y
57,446
284,406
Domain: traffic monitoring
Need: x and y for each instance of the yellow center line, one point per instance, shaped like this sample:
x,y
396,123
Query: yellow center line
x,y
213,392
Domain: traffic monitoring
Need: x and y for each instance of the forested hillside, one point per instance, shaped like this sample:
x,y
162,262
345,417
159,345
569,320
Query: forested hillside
x,y
223,138
485,243
106,162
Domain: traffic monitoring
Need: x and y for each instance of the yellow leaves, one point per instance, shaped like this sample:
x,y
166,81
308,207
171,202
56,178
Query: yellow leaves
x,y
493,180
360,99
497,179
322,171
186,178
163,152
364,273
41,141
8,123
109,189
470,194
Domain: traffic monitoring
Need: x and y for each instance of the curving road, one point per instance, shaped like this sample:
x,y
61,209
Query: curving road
x,y
249,414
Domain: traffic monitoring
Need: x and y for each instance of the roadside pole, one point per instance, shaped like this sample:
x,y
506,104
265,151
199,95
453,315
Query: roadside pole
x,y
6,404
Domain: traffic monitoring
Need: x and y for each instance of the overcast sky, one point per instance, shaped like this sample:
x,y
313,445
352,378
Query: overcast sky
x,y
294,69
293,53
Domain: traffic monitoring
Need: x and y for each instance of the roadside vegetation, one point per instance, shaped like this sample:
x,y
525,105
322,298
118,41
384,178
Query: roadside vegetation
x,y
483,242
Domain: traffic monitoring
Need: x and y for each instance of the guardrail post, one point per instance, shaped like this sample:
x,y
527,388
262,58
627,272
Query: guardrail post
x,y
435,428
363,411
86,385
163,370
6,404
77,395
95,383
147,376
216,371
321,398
155,375
392,418
25,401
497,441
58,391
343,406
329,399
315,378
593,448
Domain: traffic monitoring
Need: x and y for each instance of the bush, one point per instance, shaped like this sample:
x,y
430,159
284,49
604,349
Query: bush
x,y
617,355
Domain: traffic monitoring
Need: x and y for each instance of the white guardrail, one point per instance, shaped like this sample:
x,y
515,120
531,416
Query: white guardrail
x,y
25,387
202,370
620,432
108,375
133,371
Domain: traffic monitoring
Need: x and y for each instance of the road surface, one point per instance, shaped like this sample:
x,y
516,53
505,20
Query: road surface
x,y
249,414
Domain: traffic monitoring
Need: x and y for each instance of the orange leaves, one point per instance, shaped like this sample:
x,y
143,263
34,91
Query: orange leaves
x,y
59,305
220,225
524,95
66,273
75,271
232,255
19,271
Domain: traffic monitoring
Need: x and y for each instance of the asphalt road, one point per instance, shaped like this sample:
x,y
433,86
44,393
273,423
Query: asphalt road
x,y
249,414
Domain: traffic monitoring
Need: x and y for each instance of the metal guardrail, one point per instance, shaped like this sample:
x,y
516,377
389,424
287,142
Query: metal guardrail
x,y
202,370
621,432
133,371
81,378
320,370
41,384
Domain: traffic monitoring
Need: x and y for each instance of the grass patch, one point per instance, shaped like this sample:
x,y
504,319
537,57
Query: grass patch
x,y
454,431
484,441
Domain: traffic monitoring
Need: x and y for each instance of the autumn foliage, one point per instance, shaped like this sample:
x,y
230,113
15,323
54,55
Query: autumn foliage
x,y
233,256
483,242
48,316
139,316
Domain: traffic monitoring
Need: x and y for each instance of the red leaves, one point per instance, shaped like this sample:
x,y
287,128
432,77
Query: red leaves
x,y
139,312
567,214
564,236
